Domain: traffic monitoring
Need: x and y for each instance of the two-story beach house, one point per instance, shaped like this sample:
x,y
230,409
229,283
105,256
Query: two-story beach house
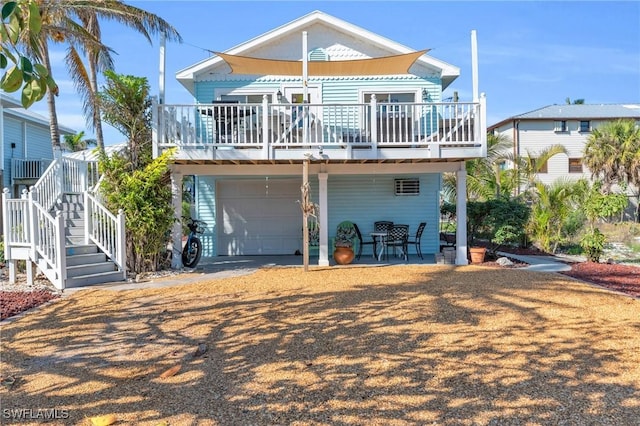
x,y
363,112
316,109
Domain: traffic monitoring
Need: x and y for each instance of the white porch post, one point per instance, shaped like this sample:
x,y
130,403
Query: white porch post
x,y
176,232
323,259
461,215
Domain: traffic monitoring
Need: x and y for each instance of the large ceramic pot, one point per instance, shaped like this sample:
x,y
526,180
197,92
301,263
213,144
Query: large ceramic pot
x,y
343,255
477,254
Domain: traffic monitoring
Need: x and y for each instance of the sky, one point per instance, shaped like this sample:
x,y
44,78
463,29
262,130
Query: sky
x,y
530,54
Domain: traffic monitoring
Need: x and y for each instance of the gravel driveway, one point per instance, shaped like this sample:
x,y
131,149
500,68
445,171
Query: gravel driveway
x,y
394,345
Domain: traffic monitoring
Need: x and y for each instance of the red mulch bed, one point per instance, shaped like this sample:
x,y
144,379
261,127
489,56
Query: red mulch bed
x,y
14,302
623,278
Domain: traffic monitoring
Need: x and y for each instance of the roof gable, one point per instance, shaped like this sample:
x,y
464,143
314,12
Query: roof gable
x,y
340,40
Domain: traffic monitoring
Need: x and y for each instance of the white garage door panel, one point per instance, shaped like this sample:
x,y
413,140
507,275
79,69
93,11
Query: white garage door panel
x,y
259,217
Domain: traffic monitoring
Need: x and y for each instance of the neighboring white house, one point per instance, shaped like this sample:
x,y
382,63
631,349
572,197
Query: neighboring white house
x,y
373,128
25,144
566,125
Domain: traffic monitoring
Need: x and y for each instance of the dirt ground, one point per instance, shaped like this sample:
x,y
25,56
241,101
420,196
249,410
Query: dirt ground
x,y
393,345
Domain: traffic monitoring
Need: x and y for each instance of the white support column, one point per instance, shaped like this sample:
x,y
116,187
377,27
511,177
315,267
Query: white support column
x,y
88,218
483,123
61,260
156,126
122,244
176,232
266,128
374,124
461,215
323,259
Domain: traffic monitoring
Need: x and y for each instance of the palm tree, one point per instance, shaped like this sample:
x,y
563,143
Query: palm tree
x,y
486,177
99,60
530,164
612,153
551,207
77,142
59,26
575,101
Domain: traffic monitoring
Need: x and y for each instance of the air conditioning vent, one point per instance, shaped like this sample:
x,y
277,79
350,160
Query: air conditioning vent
x,y
407,186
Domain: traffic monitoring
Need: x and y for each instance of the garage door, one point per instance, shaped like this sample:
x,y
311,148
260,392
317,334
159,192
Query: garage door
x,y
259,217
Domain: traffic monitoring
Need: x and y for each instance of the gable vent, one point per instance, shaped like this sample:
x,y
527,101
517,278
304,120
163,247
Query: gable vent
x,y
407,186
318,54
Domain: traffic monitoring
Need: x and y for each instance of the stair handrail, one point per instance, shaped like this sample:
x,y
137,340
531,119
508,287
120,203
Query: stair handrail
x,y
106,230
48,188
47,241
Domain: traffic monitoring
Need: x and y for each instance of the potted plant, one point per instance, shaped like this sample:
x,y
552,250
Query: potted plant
x,y
343,253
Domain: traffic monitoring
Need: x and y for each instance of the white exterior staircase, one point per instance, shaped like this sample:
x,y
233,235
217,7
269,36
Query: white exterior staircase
x,y
63,230
86,263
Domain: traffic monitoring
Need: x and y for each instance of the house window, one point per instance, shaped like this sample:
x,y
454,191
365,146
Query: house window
x,y
540,168
407,186
561,126
585,126
575,165
246,98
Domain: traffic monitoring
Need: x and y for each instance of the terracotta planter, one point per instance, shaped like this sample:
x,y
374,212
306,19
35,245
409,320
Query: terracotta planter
x,y
477,254
343,255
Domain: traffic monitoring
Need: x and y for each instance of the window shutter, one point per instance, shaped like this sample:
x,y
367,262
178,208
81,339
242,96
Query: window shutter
x,y
407,186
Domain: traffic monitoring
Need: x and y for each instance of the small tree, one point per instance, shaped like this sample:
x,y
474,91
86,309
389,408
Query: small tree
x,y
598,205
133,181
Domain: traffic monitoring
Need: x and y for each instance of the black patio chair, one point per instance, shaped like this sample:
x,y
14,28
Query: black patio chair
x,y
416,239
397,238
362,242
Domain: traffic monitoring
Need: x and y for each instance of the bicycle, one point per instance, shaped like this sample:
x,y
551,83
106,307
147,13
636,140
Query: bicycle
x,y
192,251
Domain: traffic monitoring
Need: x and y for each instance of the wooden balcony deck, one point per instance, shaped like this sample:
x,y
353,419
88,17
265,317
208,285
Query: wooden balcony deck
x,y
333,132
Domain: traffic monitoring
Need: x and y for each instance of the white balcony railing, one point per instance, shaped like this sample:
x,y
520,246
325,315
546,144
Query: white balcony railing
x,y
28,169
267,128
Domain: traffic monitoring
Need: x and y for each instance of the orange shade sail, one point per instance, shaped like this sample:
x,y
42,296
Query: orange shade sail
x,y
386,65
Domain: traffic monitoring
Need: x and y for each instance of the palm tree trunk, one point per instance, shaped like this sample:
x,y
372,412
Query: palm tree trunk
x,y
97,121
51,104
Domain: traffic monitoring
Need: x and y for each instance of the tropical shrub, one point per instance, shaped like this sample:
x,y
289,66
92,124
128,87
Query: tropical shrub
x,y
500,221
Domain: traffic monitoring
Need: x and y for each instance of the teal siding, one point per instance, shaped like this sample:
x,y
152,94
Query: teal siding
x,y
366,199
333,90
205,206
360,199
39,142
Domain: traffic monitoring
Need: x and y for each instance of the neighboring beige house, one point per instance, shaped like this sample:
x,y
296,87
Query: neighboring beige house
x,y
567,125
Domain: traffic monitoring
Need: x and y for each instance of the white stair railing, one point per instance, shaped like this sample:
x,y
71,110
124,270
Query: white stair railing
x,y
32,233
106,230
47,242
48,186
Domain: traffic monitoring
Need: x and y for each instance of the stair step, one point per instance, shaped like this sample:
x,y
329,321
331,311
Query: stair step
x,y
82,259
81,248
105,277
74,231
90,269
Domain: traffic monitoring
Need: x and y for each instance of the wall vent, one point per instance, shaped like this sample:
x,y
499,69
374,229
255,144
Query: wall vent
x,y
318,54
407,186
